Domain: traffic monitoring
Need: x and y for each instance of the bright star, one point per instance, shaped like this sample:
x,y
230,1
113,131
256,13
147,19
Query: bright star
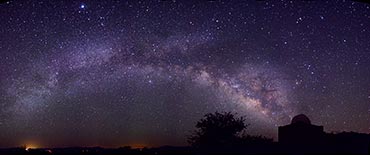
x,y
82,6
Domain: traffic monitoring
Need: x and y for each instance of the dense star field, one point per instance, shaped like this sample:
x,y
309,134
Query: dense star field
x,y
141,73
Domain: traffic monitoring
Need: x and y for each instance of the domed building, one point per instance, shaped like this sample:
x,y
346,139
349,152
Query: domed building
x,y
301,118
300,132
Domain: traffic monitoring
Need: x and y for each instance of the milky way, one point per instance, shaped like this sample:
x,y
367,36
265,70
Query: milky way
x,y
142,73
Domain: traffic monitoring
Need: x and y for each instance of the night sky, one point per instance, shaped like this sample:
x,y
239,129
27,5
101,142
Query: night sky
x,y
141,73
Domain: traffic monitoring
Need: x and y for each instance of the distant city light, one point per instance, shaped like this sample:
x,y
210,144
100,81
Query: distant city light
x,y
30,146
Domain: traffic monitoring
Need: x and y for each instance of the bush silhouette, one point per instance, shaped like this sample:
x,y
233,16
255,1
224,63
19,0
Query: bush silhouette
x,y
217,130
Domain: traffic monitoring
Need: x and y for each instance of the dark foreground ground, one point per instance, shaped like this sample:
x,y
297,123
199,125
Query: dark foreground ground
x,y
273,148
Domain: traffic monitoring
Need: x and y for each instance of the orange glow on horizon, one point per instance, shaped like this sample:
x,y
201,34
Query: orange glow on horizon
x,y
34,145
31,145
138,146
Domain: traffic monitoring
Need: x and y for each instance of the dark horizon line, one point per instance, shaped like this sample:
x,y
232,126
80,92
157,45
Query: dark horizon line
x,y
103,147
274,140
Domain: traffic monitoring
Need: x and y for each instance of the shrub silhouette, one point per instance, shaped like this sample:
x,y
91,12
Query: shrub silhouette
x,y
217,131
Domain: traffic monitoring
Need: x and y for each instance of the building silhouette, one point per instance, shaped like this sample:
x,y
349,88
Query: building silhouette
x,y
300,132
303,137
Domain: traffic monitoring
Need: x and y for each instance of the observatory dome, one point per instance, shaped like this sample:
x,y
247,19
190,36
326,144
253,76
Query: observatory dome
x,y
301,119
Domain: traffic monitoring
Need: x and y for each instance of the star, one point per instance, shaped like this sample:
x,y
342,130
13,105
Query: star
x,y
82,6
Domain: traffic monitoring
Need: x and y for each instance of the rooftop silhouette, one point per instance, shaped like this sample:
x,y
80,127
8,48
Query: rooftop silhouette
x,y
300,132
301,136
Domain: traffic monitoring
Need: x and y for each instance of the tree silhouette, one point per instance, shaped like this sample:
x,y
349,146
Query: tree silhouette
x,y
217,130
